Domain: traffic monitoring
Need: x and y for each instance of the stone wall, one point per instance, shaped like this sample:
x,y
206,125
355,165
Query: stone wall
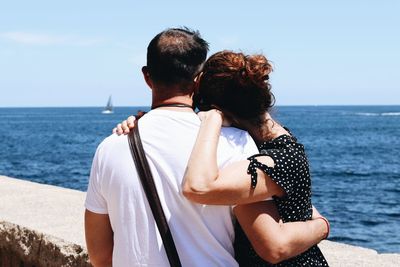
x,y
42,226
20,246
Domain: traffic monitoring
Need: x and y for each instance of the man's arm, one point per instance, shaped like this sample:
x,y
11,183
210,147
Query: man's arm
x,y
274,241
99,239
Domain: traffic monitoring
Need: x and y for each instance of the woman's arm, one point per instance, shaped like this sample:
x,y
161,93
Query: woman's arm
x,y
275,241
204,183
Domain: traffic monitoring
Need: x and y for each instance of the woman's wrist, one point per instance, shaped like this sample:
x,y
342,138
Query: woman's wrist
x,y
210,127
327,226
212,118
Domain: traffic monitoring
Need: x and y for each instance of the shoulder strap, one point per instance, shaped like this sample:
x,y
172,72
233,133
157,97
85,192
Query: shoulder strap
x,y
144,172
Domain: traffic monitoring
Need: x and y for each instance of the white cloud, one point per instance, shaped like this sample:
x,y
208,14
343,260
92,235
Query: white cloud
x,y
47,39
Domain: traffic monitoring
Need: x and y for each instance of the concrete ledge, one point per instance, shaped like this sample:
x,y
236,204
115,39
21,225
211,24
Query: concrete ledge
x,y
343,255
47,209
42,225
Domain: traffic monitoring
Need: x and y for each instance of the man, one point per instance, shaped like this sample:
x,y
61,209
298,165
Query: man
x,y
120,228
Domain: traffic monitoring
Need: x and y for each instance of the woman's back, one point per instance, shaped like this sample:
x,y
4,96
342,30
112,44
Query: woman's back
x,y
291,173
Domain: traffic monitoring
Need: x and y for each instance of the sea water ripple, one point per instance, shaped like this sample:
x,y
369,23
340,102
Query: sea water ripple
x,y
353,152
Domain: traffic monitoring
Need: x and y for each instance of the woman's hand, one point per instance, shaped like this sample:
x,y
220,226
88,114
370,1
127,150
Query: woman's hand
x,y
214,114
125,126
315,213
275,241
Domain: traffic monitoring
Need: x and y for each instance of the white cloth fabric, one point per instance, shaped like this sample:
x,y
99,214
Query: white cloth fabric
x,y
203,233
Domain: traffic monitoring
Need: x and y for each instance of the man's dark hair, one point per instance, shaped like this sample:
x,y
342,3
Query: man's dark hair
x,y
175,56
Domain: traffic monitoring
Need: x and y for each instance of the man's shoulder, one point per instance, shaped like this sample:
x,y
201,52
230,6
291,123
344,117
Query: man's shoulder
x,y
234,145
238,139
112,142
235,135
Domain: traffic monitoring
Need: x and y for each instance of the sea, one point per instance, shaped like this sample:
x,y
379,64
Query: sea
x,y
354,154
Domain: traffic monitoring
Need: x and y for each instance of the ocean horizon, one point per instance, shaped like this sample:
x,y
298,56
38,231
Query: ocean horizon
x,y
353,152
148,107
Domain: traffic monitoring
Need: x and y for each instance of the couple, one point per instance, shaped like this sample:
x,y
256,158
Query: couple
x,y
228,201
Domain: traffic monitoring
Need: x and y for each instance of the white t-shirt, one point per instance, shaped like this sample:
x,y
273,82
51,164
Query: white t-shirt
x,y
203,234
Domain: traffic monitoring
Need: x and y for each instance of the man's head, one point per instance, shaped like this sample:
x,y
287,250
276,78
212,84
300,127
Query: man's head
x,y
174,58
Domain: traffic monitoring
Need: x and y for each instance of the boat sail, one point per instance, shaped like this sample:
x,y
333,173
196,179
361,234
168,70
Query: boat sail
x,y
109,108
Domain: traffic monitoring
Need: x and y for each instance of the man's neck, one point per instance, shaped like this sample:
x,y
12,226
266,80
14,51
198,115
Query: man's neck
x,y
176,103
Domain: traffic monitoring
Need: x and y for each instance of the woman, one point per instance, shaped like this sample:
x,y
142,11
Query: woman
x,y
238,86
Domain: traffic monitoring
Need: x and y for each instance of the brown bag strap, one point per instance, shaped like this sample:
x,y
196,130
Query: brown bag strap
x,y
144,172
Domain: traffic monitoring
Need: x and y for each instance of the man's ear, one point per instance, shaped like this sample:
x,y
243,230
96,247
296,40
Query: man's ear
x,y
197,78
196,82
146,76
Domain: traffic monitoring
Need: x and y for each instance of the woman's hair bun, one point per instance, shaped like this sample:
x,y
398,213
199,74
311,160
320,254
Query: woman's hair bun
x,y
257,69
236,83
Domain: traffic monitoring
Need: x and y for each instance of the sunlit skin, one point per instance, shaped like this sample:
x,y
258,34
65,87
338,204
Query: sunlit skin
x,y
273,240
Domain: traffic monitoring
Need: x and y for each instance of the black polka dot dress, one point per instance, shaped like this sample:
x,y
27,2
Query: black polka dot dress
x,y
291,173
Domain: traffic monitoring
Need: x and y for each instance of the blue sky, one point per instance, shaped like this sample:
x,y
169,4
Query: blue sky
x,y
77,53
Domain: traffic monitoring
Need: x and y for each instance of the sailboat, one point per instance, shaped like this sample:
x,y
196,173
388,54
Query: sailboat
x,y
109,108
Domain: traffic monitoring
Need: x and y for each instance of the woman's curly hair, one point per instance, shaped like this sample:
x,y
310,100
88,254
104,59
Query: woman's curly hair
x,y
237,84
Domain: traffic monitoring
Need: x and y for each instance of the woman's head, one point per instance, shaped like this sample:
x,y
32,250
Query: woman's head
x,y
237,84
